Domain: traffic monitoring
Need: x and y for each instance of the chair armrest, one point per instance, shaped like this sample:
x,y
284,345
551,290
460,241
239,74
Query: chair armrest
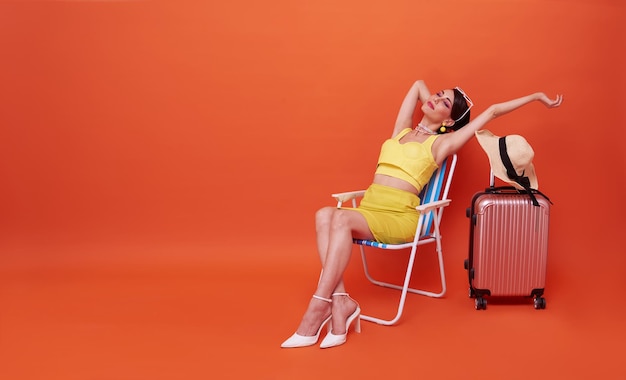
x,y
427,207
342,197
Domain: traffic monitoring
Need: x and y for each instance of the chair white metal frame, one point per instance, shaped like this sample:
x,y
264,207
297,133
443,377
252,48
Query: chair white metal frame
x,y
434,198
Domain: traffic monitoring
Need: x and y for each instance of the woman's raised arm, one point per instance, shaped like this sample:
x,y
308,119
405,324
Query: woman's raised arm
x,y
454,141
417,92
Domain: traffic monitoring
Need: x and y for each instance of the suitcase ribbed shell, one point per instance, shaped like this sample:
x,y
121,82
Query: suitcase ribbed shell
x,y
510,244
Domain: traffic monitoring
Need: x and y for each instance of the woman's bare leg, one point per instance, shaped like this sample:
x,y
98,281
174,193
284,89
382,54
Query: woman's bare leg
x,y
335,229
323,219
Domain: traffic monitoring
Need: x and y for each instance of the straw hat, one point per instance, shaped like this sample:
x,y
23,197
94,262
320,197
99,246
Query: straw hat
x,y
514,149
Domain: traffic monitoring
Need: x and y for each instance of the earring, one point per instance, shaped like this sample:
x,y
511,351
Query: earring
x,y
443,128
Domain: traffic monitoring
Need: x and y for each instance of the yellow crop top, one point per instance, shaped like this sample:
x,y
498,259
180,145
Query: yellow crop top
x,y
411,161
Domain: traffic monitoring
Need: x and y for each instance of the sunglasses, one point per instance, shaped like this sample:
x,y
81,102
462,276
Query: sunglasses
x,y
470,104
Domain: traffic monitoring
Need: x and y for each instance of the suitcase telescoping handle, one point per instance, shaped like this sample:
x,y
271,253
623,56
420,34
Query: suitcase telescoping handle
x,y
493,189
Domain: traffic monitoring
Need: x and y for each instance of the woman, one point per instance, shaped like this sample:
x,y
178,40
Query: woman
x,y
387,211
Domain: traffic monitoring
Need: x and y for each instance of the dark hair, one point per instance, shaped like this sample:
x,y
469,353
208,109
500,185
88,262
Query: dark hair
x,y
459,106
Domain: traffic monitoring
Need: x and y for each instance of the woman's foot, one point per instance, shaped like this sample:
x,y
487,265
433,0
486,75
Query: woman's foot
x,y
315,317
345,310
342,307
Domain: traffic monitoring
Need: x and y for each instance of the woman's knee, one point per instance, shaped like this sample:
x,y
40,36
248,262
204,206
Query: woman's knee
x,y
341,219
352,221
324,215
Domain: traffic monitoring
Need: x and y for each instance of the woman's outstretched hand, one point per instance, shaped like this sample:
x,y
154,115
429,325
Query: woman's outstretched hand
x,y
543,98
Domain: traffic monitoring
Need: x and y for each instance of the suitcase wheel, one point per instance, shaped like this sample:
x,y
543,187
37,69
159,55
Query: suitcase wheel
x,y
540,303
480,303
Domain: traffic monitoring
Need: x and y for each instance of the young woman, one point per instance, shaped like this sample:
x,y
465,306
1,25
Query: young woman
x,y
387,211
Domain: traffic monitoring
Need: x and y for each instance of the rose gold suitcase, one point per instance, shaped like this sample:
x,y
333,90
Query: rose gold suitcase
x,y
508,245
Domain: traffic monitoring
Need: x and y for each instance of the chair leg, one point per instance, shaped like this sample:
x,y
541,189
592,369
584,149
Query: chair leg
x,y
405,286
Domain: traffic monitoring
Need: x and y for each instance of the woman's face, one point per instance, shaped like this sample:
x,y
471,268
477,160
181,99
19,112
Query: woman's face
x,y
439,106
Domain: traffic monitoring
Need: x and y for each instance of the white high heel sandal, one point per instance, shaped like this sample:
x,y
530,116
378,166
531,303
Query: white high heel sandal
x,y
297,340
332,340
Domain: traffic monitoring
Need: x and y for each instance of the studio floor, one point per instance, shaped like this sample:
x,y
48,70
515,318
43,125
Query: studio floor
x,y
162,161
212,312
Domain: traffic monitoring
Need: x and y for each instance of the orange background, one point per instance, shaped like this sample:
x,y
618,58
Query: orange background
x,y
161,163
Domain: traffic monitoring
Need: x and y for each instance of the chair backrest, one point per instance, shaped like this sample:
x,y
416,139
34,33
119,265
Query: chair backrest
x,y
437,189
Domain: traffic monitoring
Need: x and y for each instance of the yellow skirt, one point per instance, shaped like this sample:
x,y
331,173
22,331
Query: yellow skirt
x,y
390,213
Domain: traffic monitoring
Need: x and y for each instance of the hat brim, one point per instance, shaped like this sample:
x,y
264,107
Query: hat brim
x,y
489,142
